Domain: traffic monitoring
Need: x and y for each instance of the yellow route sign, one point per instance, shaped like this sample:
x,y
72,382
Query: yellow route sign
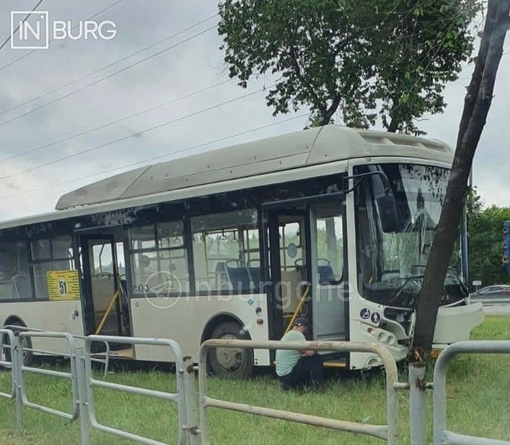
x,y
63,285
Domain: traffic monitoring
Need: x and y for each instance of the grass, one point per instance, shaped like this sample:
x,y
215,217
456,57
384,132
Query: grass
x,y
478,404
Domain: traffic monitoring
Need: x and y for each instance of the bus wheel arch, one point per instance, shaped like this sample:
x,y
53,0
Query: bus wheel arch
x,y
228,362
28,356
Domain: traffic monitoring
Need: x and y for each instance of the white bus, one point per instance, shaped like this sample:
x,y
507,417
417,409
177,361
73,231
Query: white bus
x,y
332,223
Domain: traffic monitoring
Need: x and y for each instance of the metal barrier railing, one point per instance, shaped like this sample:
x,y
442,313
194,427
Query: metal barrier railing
x,y
72,375
183,397
6,333
441,435
105,361
389,432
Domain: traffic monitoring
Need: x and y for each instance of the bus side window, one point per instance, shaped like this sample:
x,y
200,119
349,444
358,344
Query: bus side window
x,y
14,278
49,255
225,248
159,259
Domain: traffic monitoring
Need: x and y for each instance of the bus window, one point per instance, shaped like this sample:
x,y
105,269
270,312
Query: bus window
x,y
291,247
48,255
101,260
226,251
329,246
252,249
159,260
14,276
41,249
392,265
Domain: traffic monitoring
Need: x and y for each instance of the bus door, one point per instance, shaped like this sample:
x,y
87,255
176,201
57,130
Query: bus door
x,y
103,293
287,232
330,311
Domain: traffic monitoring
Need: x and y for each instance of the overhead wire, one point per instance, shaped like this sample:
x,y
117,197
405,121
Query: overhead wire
x,y
13,32
117,121
97,81
137,134
159,157
51,40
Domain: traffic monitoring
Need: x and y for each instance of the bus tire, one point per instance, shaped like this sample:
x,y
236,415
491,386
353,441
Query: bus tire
x,y
229,362
28,356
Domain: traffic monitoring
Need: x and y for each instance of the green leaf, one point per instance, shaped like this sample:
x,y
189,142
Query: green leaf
x,y
371,53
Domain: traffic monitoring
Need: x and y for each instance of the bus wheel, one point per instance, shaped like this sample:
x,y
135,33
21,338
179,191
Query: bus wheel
x,y
25,343
231,362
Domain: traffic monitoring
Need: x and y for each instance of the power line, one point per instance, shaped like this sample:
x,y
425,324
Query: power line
x,y
134,164
51,40
139,133
16,30
104,68
102,127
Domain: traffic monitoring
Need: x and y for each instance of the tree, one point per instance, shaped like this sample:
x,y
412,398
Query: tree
x,y
476,108
368,58
485,227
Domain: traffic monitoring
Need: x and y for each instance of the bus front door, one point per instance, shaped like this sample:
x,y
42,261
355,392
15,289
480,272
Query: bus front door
x,y
330,311
101,284
305,264
287,257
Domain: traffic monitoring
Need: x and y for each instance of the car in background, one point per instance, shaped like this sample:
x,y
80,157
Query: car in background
x,y
495,294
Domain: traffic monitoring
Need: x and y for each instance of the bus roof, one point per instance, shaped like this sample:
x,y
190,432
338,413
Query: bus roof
x,y
294,150
155,183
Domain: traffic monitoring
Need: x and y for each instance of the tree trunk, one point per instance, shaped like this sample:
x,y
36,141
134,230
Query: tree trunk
x,y
476,107
392,128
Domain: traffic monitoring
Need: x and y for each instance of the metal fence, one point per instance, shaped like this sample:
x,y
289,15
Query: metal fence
x,y
441,435
389,432
72,375
189,433
8,334
83,383
183,397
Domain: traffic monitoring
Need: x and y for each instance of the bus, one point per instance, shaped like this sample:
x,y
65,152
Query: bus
x,y
331,223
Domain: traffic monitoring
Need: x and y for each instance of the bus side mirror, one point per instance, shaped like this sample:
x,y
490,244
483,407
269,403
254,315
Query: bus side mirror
x,y
387,212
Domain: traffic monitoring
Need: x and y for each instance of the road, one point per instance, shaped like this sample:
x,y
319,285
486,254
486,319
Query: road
x,y
497,305
497,310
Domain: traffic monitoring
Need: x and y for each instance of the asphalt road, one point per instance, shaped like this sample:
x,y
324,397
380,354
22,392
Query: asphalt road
x,y
497,309
495,305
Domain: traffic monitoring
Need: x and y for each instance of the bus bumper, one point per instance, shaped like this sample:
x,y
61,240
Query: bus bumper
x,y
455,323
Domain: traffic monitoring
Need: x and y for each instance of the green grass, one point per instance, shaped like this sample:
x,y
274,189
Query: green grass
x,y
478,404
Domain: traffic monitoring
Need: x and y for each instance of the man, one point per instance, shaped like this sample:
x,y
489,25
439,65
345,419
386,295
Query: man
x,y
294,368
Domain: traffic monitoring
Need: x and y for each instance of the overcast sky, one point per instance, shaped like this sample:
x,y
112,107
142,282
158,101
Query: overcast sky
x,y
63,108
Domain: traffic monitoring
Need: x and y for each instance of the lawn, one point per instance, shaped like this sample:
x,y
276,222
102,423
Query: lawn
x,y
478,404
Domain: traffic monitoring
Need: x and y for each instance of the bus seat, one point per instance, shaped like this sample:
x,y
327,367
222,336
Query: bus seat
x,y
291,286
255,277
326,274
301,269
222,281
255,274
239,278
20,285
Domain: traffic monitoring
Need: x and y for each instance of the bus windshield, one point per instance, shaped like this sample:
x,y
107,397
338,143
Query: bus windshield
x,y
391,265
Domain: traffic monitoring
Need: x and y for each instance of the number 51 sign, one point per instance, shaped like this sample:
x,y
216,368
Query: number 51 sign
x,y
63,285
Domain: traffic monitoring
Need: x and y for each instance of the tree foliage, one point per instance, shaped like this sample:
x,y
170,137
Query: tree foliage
x,y
485,228
370,59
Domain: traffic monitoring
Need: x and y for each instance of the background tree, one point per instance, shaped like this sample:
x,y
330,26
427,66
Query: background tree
x,y
476,108
367,58
485,228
